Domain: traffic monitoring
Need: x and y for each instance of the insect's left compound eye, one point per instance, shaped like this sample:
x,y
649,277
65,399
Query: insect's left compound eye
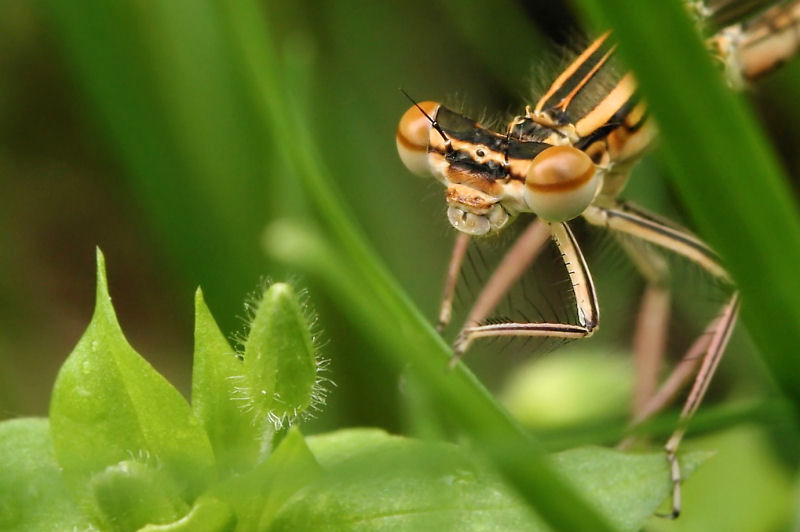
x,y
412,137
561,182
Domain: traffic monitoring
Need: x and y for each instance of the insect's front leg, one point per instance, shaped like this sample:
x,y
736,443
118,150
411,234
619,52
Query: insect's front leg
x,y
512,266
518,259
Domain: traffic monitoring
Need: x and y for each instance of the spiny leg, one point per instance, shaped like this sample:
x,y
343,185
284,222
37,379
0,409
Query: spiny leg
x,y
453,269
628,220
582,286
681,375
676,381
710,362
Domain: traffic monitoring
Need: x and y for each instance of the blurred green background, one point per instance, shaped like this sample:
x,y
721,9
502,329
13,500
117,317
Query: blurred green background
x,y
130,125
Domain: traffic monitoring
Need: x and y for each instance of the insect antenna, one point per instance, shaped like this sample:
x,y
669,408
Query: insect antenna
x,y
434,124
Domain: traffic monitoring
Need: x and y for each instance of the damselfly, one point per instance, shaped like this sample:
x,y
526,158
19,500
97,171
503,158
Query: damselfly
x,y
570,156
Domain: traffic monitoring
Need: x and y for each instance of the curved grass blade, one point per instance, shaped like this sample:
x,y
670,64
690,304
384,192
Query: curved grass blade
x,y
373,298
723,168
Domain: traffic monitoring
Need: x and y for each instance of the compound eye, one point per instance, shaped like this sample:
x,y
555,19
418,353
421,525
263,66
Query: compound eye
x,y
412,137
561,182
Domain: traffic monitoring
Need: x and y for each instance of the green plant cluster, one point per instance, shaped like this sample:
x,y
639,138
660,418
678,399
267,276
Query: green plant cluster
x,y
123,451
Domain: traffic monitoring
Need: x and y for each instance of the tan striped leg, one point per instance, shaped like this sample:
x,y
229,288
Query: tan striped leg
x,y
627,220
710,362
650,337
582,286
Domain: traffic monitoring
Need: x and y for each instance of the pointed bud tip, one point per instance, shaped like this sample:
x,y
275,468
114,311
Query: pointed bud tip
x,y
101,296
279,290
100,262
103,305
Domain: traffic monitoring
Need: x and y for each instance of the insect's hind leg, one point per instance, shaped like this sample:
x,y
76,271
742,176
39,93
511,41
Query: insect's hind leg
x,y
716,347
650,336
628,220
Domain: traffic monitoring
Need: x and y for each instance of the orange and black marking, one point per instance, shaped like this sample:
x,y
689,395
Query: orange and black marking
x,y
588,107
478,156
575,77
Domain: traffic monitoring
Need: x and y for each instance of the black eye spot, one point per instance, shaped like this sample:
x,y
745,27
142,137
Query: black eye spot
x,y
480,153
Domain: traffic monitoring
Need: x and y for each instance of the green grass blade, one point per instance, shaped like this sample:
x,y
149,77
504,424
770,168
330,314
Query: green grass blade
x,y
723,168
372,296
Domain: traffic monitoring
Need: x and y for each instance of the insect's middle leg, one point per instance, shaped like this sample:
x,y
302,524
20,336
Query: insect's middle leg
x,y
510,269
453,269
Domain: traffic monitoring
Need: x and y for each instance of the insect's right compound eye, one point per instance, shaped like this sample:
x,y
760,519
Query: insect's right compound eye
x,y
412,136
561,182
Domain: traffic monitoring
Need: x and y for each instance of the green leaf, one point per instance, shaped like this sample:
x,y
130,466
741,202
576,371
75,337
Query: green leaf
x,y
217,379
375,481
336,448
257,495
626,487
745,487
109,405
207,515
133,493
280,365
379,482
32,493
